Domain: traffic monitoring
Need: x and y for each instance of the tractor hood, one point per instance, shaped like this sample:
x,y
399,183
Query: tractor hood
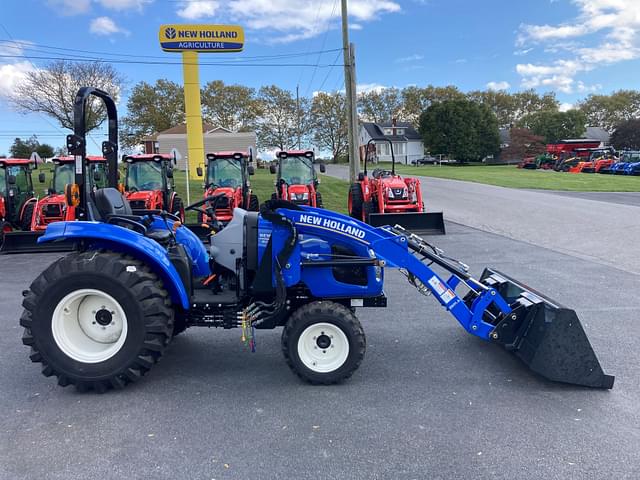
x,y
394,182
143,196
226,191
52,199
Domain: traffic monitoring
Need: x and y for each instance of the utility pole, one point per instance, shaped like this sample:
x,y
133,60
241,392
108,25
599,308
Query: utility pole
x,y
298,112
350,89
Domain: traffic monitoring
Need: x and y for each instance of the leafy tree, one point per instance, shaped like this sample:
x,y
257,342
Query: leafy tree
x,y
627,135
530,101
380,106
234,107
416,100
524,143
501,103
608,111
466,130
281,122
24,148
52,90
329,123
152,108
555,126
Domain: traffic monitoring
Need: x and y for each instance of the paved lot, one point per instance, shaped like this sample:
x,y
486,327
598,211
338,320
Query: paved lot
x,y
429,401
621,198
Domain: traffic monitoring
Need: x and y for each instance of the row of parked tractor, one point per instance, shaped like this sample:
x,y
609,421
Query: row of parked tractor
x,y
584,158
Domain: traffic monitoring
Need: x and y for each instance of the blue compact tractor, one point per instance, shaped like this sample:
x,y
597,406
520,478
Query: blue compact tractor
x,y
103,315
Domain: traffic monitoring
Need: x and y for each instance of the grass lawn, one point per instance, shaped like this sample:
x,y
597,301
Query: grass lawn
x,y
334,191
510,176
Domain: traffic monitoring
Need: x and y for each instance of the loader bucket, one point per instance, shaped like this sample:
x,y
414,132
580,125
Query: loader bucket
x,y
547,336
27,242
430,223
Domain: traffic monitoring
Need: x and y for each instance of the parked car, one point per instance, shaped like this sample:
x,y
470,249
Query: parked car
x,y
428,160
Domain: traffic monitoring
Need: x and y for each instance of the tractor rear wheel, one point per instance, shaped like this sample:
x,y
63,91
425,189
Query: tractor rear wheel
x,y
27,216
254,203
97,320
177,208
319,203
355,201
323,342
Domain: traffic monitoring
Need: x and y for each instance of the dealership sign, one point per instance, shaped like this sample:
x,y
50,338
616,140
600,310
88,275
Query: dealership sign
x,y
201,38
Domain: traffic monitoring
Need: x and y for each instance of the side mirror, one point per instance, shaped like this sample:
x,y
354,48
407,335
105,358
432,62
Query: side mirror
x,y
323,168
170,173
199,171
251,170
360,177
11,179
272,169
41,178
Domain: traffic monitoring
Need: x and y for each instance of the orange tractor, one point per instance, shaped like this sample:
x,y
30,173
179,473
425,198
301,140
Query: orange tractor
x,y
17,199
227,179
149,183
389,199
297,180
54,207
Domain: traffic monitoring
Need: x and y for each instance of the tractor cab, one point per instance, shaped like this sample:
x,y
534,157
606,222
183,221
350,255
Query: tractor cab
x,y
296,179
629,164
227,179
16,193
149,183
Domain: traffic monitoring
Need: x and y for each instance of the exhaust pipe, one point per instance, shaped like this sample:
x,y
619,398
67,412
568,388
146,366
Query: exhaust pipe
x,y
545,335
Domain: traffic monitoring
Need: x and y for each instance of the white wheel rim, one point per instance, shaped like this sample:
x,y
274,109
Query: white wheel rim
x,y
89,326
323,347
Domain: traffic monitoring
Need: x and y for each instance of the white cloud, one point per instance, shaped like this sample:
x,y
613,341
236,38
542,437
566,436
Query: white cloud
x,y
411,58
605,32
284,21
370,87
565,107
105,26
11,74
498,85
121,5
70,7
197,10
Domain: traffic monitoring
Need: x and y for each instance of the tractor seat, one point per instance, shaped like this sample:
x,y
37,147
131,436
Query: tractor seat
x,y
110,202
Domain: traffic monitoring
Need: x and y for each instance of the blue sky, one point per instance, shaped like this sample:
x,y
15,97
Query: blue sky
x,y
572,47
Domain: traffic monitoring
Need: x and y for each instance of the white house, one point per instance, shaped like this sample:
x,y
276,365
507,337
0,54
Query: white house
x,y
407,143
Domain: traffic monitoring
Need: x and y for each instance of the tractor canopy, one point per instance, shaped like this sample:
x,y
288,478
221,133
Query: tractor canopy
x,y
225,169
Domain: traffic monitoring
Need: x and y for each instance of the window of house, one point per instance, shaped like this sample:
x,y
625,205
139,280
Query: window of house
x,y
388,131
400,131
400,148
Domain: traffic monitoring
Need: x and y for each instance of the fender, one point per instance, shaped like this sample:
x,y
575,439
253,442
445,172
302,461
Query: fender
x,y
113,237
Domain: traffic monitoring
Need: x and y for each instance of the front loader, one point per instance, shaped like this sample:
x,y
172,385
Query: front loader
x,y
387,198
102,316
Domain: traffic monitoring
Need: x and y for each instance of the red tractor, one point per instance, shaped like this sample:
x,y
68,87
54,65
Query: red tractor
x,y
297,181
149,183
54,207
227,179
389,199
17,199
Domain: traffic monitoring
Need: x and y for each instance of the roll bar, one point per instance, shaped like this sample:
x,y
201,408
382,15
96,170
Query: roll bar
x,y
393,157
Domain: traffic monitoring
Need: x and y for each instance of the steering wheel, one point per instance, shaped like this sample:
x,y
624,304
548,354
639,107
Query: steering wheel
x,y
229,182
209,211
294,181
133,189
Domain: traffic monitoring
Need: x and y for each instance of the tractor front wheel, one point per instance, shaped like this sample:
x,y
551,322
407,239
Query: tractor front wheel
x,y
319,203
355,201
323,342
27,216
177,208
97,320
254,203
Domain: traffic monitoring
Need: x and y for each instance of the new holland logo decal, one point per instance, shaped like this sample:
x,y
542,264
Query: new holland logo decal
x,y
333,225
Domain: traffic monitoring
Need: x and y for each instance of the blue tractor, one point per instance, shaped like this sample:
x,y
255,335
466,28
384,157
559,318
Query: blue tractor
x,y
103,315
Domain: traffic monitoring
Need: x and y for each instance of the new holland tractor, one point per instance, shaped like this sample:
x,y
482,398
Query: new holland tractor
x,y
227,184
54,206
17,199
102,316
296,179
386,198
149,183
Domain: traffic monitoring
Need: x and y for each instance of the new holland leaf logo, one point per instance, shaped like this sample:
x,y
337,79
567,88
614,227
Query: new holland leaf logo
x,y
170,32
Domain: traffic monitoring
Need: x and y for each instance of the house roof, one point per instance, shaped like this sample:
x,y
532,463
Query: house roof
x,y
182,129
597,133
375,130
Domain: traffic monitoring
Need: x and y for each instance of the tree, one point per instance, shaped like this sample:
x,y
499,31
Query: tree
x,y
463,129
416,100
608,111
329,123
380,106
24,148
52,90
555,126
281,123
530,101
152,108
524,143
234,107
627,135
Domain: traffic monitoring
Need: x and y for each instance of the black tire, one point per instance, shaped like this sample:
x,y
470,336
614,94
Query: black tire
x,y
138,292
177,208
274,196
323,312
367,209
27,216
254,203
357,199
319,203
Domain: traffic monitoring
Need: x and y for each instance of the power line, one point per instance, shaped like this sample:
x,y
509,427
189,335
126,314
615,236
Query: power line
x,y
328,73
324,39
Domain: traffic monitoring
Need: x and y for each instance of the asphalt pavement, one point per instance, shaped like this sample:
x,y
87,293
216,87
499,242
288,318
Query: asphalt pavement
x,y
429,401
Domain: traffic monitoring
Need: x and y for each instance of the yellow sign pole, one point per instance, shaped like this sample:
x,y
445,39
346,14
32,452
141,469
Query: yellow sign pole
x,y
193,111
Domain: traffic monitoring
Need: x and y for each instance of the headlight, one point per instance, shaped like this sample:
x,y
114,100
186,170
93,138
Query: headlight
x,y
302,196
390,193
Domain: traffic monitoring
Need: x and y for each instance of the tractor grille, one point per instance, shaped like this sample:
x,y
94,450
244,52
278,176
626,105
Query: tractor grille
x,y
222,202
398,193
52,210
138,205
